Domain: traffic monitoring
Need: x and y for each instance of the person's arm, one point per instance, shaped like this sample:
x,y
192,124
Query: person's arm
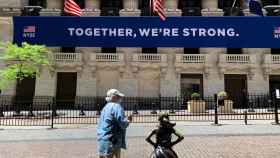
x,y
122,121
149,140
180,137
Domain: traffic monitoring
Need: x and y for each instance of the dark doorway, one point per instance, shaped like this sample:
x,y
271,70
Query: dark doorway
x,y
236,87
234,50
191,83
274,83
66,89
25,90
42,3
275,51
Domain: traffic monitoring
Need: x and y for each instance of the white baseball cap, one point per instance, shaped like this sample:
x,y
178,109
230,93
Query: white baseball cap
x,y
114,92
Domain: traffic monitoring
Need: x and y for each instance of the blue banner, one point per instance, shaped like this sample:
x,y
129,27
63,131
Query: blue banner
x,y
192,32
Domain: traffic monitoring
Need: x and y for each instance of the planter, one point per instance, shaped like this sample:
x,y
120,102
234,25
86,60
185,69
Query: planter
x,y
227,108
196,106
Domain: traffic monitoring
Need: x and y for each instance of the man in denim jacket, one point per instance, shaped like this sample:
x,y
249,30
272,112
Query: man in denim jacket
x,y
111,128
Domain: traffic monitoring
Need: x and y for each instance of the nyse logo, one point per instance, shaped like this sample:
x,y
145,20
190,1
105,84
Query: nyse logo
x,y
29,32
277,32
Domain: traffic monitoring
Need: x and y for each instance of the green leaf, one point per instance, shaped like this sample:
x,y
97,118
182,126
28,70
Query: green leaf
x,y
25,61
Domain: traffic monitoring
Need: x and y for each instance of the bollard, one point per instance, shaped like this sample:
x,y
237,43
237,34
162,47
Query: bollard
x,y
135,112
246,117
54,113
275,111
172,111
82,113
216,122
216,110
98,109
30,112
154,110
2,112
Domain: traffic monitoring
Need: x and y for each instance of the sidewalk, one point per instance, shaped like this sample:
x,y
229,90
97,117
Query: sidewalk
x,y
88,132
232,139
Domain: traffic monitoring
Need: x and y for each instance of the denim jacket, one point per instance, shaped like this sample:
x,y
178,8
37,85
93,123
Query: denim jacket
x,y
112,125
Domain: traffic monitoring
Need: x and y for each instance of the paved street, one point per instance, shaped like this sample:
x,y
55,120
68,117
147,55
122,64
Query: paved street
x,y
231,140
192,147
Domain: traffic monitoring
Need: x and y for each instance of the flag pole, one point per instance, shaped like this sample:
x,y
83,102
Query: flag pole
x,y
233,4
151,7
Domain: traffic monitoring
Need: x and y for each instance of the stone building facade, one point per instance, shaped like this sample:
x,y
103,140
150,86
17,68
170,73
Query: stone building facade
x,y
148,71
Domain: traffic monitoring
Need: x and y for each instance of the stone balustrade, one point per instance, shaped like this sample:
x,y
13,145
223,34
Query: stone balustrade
x,y
67,57
271,64
191,58
107,57
154,58
238,63
237,58
275,59
192,63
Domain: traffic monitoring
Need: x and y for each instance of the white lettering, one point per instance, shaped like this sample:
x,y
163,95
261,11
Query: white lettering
x,y
144,32
71,31
128,32
186,32
231,32
88,32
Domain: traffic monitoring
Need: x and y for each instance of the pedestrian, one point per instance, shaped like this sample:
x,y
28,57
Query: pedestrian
x,y
111,128
163,145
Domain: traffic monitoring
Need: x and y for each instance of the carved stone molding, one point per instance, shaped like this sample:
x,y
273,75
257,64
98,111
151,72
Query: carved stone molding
x,y
248,69
137,66
212,12
269,69
193,68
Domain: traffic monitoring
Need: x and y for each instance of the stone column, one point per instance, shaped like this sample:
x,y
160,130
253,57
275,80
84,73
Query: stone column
x,y
128,82
257,82
213,81
58,4
92,4
210,4
6,35
169,78
45,84
130,8
13,3
130,4
86,83
171,4
92,8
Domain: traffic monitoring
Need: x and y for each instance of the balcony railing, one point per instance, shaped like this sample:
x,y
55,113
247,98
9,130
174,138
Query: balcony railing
x,y
107,57
191,58
272,59
155,58
237,58
67,57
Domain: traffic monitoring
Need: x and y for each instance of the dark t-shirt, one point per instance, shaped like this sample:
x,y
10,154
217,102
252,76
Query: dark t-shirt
x,y
164,137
